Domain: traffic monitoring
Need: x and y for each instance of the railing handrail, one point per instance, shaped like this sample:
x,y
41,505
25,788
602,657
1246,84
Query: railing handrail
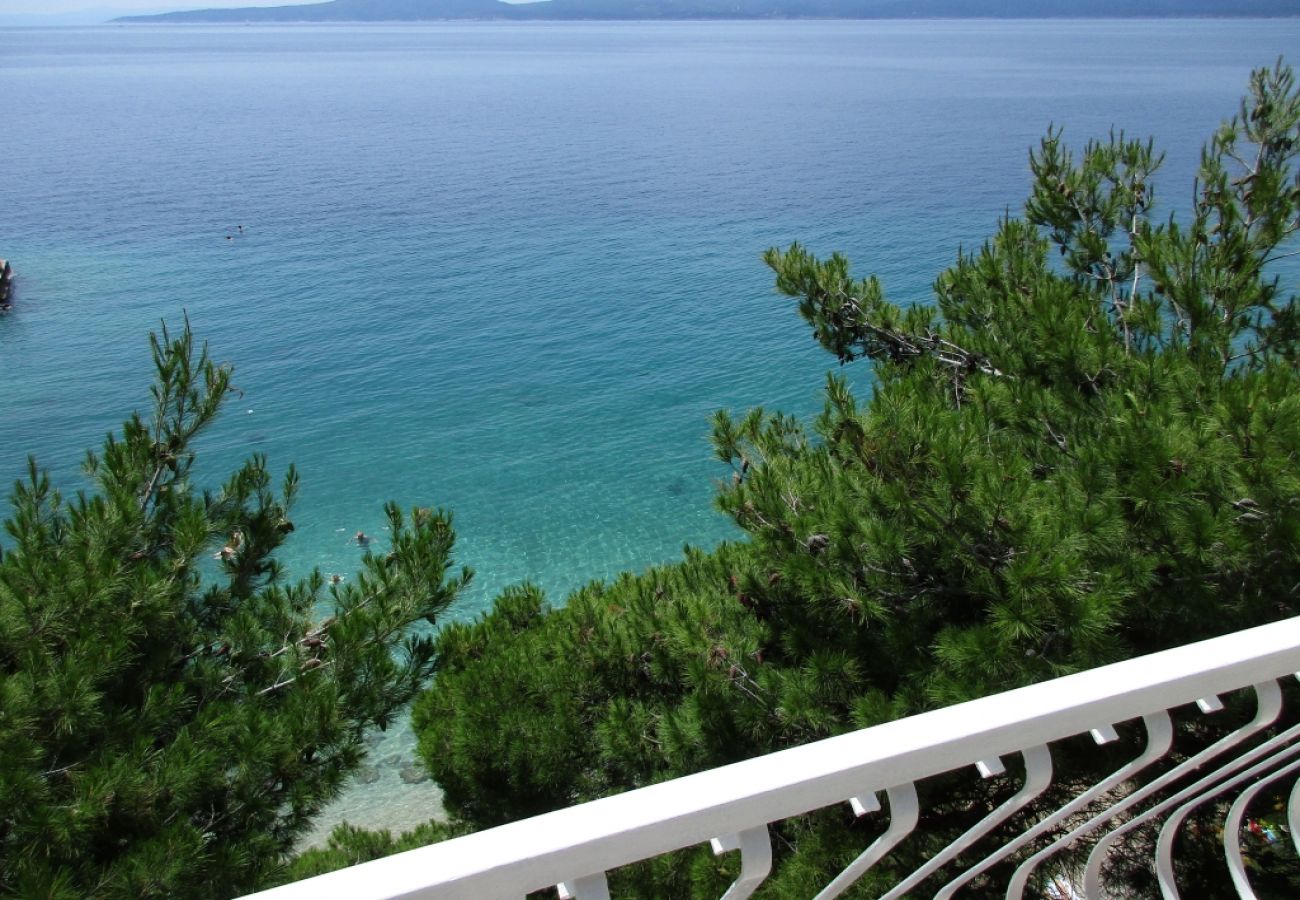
x,y
532,854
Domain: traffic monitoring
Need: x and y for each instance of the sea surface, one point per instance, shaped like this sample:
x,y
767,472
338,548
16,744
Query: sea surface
x,y
511,269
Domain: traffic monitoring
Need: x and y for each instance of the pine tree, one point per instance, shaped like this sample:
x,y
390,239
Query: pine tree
x,y
1084,449
1060,465
169,723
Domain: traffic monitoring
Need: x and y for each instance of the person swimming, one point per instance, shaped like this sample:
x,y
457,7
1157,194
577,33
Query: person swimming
x,y
362,538
227,553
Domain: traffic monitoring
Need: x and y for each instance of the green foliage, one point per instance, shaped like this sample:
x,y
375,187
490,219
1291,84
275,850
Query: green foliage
x,y
1059,466
538,708
351,846
1084,449
169,724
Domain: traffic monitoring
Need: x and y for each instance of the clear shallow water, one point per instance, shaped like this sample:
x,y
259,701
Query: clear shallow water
x,y
512,269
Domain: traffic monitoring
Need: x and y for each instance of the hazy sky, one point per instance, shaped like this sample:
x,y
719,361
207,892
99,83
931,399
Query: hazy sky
x,y
60,7
83,12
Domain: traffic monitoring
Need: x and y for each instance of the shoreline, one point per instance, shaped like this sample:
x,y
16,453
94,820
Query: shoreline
x,y
378,796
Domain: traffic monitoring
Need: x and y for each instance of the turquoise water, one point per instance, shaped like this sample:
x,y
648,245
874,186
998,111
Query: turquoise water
x,y
511,269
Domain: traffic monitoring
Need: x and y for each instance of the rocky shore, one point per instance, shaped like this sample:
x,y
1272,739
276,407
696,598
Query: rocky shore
x,y
391,790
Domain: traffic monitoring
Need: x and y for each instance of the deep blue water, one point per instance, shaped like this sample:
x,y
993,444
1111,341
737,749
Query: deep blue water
x,y
511,269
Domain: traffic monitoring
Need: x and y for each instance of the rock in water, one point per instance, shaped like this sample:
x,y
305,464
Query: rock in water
x,y
414,775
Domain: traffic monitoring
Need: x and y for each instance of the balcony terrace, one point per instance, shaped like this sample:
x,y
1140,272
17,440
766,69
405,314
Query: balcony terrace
x,y
731,807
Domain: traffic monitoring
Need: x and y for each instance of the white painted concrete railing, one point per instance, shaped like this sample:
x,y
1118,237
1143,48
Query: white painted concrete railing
x,y
730,807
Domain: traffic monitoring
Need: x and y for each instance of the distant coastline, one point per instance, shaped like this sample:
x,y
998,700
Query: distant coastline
x,y
643,10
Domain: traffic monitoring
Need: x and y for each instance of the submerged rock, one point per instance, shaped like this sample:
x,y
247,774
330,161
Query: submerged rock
x,y
6,284
414,774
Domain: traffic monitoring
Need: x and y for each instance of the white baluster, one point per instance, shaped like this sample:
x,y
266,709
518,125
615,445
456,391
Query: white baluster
x,y
1269,704
1231,826
904,810
1038,775
1293,815
1092,874
755,846
588,887
1160,735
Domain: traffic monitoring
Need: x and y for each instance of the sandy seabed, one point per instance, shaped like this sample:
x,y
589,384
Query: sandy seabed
x,y
378,796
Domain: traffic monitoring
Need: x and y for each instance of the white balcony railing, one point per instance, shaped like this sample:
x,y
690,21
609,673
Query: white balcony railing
x,y
731,807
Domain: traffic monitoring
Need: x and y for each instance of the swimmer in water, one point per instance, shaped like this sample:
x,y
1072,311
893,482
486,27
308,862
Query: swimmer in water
x,y
362,538
227,553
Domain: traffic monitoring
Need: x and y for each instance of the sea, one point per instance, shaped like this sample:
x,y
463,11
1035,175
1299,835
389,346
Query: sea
x,y
512,269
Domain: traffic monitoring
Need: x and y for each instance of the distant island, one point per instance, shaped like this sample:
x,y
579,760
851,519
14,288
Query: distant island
x,y
433,10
